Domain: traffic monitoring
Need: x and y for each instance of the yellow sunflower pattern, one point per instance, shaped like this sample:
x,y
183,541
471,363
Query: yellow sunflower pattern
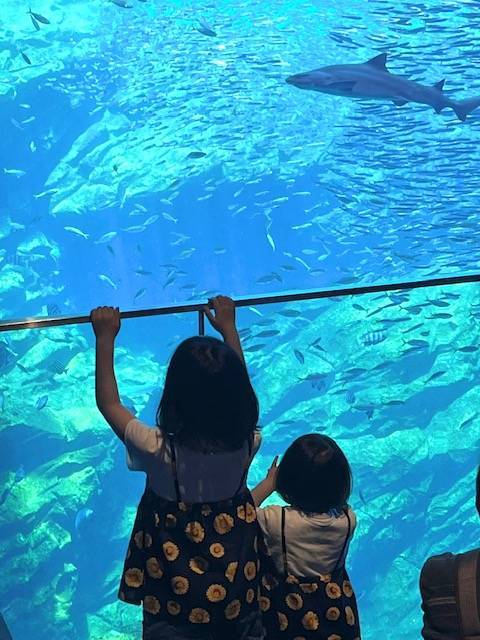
x,y
154,568
231,570
333,613
232,610
223,523
294,601
151,605
282,621
199,616
180,585
333,591
171,551
216,593
349,616
165,581
173,608
198,565
347,588
310,621
195,532
134,577
217,550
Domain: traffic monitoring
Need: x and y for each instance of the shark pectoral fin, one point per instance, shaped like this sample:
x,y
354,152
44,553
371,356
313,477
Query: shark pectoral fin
x,y
400,103
379,62
439,85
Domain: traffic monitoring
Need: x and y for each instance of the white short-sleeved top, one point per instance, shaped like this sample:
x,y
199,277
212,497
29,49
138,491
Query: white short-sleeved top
x,y
314,541
202,477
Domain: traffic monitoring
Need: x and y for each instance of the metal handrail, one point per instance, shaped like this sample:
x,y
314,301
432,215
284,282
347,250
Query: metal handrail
x,y
41,323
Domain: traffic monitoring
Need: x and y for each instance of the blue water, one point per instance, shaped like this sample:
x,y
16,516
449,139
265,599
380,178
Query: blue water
x,y
143,163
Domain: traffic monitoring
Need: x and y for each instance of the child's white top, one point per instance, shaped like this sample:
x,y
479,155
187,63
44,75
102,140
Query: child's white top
x,y
202,477
314,541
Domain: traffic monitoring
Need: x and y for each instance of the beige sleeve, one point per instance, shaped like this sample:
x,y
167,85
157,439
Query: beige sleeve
x,y
141,442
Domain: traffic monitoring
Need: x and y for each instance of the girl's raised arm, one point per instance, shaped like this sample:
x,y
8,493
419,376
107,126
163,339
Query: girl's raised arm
x,y
106,325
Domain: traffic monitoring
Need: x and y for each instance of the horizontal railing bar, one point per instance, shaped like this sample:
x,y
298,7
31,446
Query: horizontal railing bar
x,y
56,321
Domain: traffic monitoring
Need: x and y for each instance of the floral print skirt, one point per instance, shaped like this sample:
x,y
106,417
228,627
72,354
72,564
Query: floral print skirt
x,y
321,608
193,563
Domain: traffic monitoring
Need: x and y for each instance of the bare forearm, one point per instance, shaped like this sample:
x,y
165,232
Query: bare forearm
x,y
106,390
261,492
232,338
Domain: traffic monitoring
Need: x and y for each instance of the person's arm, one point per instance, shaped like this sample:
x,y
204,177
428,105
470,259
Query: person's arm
x,y
106,325
224,322
267,486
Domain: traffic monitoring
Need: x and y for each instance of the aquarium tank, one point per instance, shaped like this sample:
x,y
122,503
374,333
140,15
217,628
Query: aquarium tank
x,y
155,154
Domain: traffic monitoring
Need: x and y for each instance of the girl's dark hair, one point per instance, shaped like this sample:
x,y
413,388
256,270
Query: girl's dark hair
x,y
314,474
208,402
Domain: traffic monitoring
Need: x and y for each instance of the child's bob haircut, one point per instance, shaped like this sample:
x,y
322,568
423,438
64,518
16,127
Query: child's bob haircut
x,y
208,402
314,475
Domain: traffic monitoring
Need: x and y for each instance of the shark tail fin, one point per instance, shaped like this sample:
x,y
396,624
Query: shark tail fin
x,y
464,107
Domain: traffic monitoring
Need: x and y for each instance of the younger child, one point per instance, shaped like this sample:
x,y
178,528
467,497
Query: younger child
x,y
305,591
192,558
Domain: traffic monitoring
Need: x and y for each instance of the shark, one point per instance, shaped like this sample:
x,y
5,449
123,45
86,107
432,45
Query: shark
x,y
372,80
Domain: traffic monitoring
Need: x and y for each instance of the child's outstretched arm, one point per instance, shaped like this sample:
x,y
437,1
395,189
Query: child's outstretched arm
x,y
106,325
267,486
224,322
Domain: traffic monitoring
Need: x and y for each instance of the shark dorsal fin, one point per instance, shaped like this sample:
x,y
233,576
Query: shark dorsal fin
x,y
379,62
439,85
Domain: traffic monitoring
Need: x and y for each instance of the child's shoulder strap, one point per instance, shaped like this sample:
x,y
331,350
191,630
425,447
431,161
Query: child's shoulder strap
x,y
468,592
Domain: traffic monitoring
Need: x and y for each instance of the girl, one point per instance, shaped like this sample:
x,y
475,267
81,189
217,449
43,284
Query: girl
x,y
306,591
192,557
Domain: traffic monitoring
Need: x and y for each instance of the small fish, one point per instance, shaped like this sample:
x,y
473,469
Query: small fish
x,y
136,228
253,310
82,516
18,173
418,343
373,338
435,375
205,29
53,309
468,421
58,366
150,220
141,292
290,313
25,57
106,237
271,242
269,278
35,23
169,217
77,232
143,272
107,280
254,347
49,192
196,154
41,402
441,316
269,333
299,356
122,3
471,348
38,17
